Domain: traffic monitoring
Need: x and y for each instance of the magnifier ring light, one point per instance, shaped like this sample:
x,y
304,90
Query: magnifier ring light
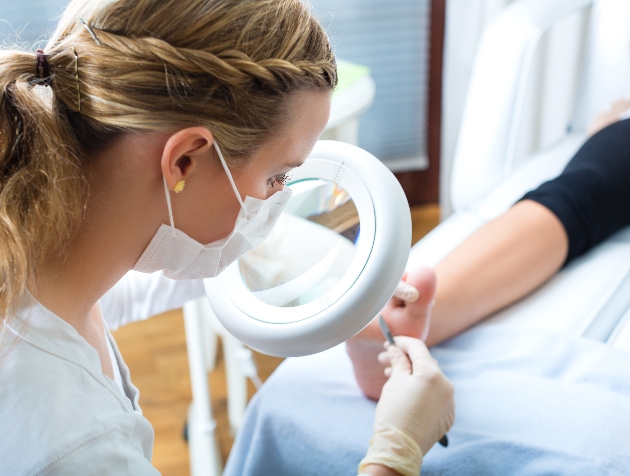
x,y
262,320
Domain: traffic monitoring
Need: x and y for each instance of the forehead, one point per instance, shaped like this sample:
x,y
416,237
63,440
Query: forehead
x,y
307,116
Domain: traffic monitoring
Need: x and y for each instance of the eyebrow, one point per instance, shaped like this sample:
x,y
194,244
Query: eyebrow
x,y
294,165
290,165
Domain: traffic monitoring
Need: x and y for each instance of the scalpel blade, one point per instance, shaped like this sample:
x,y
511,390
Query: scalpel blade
x,y
385,330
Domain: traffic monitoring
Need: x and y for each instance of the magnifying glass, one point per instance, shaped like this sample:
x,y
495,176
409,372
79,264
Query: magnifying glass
x,y
331,263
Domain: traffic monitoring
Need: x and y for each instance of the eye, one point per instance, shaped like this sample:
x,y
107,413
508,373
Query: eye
x,y
279,180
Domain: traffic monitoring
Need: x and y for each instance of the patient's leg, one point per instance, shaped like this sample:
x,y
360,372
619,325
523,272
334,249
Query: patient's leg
x,y
497,265
411,319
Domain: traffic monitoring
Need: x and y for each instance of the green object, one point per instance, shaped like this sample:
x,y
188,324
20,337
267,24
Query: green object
x,y
349,73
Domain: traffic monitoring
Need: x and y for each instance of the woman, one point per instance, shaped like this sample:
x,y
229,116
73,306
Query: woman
x,y
153,136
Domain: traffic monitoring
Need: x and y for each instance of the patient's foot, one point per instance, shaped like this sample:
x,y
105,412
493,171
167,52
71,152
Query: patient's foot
x,y
410,319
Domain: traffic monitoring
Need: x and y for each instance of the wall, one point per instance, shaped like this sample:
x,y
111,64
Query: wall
x,y
392,39
551,87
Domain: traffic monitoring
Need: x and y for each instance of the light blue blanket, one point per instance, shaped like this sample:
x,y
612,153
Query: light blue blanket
x,y
526,404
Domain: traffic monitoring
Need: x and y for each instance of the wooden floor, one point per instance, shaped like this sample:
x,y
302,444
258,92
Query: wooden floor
x,y
155,351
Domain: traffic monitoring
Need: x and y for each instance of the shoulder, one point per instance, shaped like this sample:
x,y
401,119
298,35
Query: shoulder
x,y
53,412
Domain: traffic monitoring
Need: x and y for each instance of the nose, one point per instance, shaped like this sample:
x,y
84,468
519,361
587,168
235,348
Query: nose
x,y
275,189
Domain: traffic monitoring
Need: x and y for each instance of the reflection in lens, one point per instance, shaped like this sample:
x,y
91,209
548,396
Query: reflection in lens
x,y
310,248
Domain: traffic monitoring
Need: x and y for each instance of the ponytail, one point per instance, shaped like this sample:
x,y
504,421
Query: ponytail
x,y
42,187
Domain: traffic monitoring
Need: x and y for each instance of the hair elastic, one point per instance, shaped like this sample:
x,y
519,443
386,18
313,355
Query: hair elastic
x,y
42,68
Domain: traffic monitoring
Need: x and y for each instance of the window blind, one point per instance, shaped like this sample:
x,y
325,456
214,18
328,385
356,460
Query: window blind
x,y
392,38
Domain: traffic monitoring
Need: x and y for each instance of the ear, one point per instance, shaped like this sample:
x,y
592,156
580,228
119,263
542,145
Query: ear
x,y
182,152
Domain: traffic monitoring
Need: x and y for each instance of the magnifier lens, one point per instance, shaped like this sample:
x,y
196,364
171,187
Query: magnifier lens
x,y
310,248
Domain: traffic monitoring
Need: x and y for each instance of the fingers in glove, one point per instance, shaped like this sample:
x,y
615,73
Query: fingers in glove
x,y
415,351
399,361
406,292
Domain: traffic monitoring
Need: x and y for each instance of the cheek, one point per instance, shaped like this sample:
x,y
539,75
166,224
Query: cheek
x,y
256,188
218,222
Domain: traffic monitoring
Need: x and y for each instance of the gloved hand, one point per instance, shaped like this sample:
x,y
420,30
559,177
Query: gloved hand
x,y
417,399
415,410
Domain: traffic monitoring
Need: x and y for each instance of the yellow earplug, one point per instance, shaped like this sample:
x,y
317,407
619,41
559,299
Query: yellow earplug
x,y
179,186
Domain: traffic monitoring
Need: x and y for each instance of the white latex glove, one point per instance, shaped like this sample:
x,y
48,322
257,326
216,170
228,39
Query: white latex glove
x,y
417,399
406,292
415,410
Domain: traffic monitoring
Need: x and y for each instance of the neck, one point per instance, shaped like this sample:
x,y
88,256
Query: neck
x,y
120,221
95,261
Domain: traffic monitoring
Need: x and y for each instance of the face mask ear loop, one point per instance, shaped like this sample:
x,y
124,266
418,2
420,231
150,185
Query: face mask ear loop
x,y
227,171
170,209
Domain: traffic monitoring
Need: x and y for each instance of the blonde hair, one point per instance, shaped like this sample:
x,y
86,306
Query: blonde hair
x,y
228,65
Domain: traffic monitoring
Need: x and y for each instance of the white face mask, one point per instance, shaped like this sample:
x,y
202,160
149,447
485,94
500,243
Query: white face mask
x,y
181,257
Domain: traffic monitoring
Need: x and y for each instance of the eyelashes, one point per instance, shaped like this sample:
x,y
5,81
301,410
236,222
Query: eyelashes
x,y
279,180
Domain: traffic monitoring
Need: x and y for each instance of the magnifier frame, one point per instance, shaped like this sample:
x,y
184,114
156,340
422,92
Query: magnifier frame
x,y
370,288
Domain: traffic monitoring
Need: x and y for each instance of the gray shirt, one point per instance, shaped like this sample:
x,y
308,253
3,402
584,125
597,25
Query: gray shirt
x,y
58,413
